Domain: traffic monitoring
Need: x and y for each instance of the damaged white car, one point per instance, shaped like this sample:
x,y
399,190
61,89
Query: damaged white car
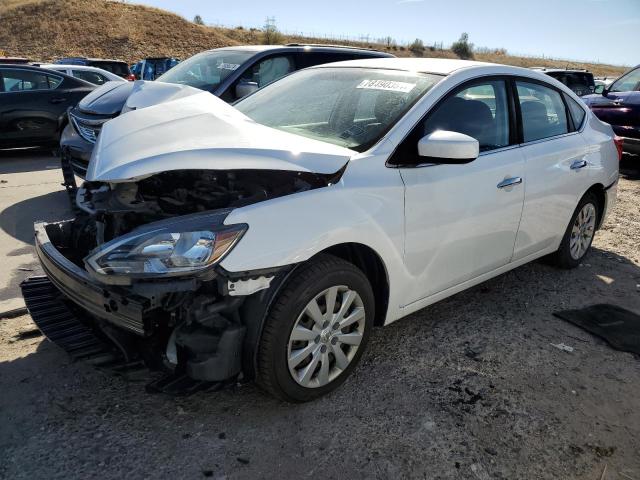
x,y
264,240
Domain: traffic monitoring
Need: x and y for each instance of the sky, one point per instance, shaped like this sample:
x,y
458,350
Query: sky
x,y
606,31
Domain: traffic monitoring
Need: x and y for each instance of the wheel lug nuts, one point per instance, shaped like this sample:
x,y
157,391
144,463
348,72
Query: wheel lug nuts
x,y
325,324
334,340
336,326
323,349
317,339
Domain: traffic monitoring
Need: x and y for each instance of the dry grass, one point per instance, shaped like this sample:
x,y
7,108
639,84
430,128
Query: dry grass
x,y
46,29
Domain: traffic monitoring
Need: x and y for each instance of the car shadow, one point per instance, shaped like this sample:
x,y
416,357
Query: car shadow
x,y
17,220
27,160
630,167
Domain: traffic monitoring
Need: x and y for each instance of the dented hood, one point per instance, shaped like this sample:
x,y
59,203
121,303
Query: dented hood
x,y
202,132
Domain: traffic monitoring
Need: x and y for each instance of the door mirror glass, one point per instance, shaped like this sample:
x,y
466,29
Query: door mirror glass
x,y
244,88
447,147
599,89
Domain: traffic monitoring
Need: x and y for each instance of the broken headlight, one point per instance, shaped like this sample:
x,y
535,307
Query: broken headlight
x,y
164,252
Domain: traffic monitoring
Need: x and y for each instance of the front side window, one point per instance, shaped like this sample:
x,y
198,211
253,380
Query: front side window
x,y
26,80
627,83
543,111
350,107
269,70
206,70
480,111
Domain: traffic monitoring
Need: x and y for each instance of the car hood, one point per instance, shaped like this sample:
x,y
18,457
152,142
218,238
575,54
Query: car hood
x,y
107,99
147,93
202,132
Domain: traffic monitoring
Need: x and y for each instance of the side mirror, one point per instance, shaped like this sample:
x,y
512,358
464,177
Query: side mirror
x,y
599,89
244,88
447,147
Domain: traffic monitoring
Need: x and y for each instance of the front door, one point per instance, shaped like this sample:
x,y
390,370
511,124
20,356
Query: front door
x,y
462,220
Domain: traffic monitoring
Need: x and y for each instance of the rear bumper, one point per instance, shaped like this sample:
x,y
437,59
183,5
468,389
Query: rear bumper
x,y
114,305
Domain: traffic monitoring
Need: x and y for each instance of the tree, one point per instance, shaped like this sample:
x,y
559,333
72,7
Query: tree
x,y
462,48
198,20
270,33
417,47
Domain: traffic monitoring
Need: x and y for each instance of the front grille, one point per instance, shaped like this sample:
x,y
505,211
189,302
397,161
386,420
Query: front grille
x,y
87,129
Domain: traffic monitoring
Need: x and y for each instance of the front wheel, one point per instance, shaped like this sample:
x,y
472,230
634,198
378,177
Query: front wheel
x,y
579,234
316,331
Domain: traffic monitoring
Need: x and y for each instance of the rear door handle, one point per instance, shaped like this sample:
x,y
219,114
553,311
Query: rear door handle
x,y
578,164
58,100
509,182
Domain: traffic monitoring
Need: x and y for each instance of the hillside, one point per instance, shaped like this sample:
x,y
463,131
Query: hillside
x,y
47,29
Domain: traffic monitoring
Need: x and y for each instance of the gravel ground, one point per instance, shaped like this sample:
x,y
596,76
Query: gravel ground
x,y
468,388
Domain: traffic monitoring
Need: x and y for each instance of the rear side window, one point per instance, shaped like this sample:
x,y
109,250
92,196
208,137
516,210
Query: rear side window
x,y
318,58
543,111
26,80
119,68
480,111
91,77
577,112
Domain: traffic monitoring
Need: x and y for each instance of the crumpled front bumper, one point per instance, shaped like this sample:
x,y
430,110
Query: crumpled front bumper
x,y
113,304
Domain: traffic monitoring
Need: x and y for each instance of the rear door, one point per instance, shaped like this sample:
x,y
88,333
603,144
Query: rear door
x,y
556,166
31,104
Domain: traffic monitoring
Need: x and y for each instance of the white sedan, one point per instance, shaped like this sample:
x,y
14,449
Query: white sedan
x,y
95,75
265,240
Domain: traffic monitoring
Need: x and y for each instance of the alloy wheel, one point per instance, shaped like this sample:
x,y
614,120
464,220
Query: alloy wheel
x,y
326,336
582,231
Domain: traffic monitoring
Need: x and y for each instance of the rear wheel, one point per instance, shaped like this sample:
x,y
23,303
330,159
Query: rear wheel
x,y
579,234
316,331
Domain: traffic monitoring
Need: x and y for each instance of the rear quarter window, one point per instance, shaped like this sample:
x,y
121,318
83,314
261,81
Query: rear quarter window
x,y
578,113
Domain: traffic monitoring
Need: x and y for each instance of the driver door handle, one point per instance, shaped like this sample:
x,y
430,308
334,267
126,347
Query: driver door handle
x,y
58,100
510,182
578,164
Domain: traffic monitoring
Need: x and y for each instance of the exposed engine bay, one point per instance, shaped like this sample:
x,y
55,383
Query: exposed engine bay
x,y
116,209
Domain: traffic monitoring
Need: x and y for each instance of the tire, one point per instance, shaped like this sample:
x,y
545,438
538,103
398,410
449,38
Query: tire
x,y
314,284
567,256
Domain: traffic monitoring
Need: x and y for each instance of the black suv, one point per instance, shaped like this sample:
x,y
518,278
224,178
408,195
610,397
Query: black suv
x,y
117,67
229,73
580,81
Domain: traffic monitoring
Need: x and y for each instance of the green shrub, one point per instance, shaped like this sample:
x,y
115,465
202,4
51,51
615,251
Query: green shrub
x,y
462,48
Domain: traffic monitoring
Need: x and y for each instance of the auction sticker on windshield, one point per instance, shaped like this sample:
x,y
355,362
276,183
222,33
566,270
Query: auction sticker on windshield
x,y
228,66
389,85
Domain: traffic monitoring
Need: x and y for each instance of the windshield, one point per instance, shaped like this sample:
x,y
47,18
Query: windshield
x,y
350,107
626,83
206,70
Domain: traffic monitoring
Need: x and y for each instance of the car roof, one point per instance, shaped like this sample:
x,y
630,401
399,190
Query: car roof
x,y
443,66
303,47
92,59
561,70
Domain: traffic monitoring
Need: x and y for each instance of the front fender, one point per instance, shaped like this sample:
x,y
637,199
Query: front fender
x,y
367,208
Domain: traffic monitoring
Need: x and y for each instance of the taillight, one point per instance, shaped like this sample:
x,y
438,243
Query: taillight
x,y
131,77
618,141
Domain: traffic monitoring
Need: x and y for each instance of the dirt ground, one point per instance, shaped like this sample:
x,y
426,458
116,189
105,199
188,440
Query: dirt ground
x,y
469,388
